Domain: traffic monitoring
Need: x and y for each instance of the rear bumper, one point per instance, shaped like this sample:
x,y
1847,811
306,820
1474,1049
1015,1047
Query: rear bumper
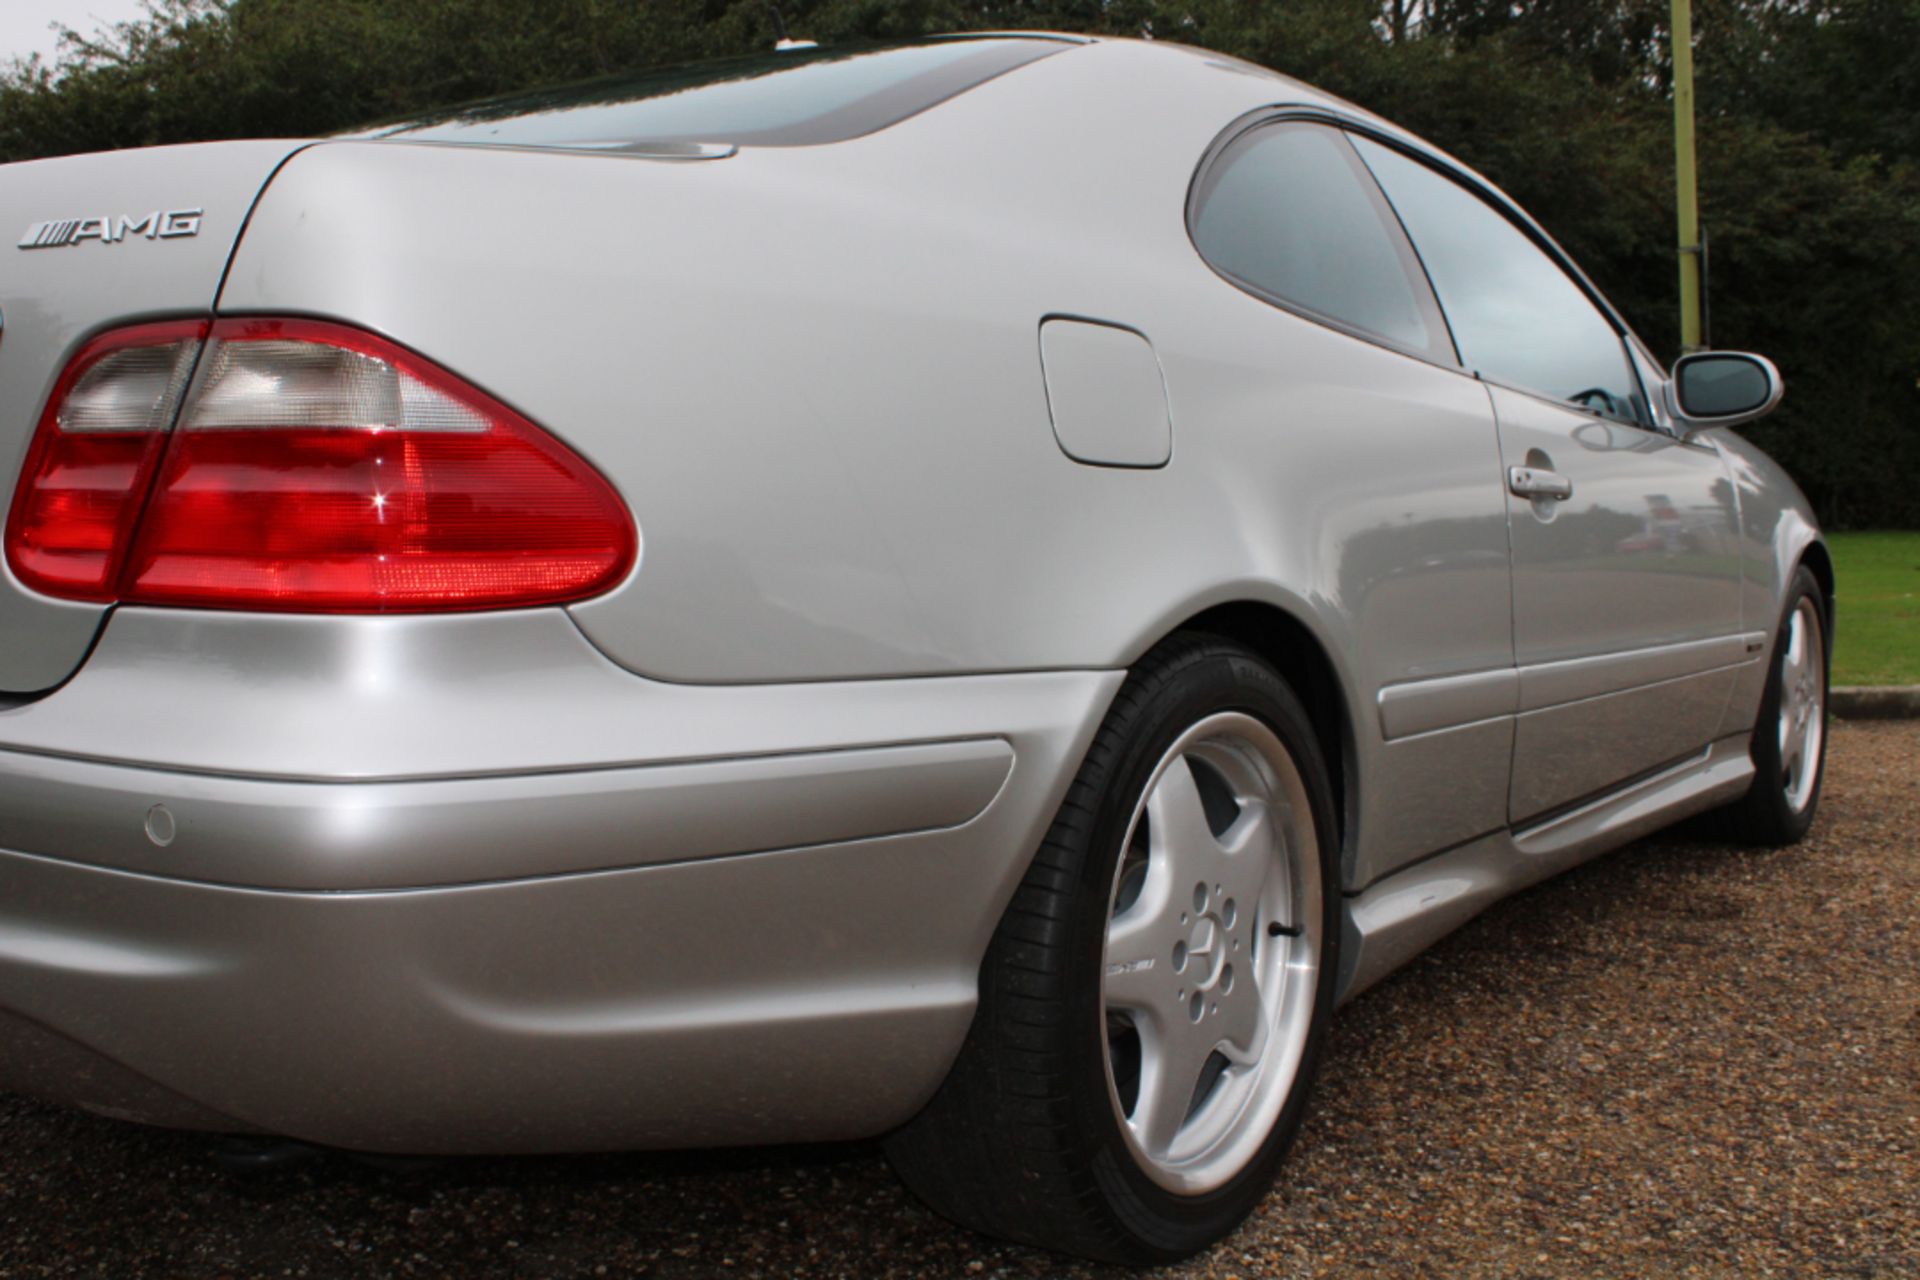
x,y
688,916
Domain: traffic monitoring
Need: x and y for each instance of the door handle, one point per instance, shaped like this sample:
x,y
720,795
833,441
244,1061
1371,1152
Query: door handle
x,y
1533,482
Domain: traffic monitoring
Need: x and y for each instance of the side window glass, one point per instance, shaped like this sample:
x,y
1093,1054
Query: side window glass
x,y
1287,212
1516,316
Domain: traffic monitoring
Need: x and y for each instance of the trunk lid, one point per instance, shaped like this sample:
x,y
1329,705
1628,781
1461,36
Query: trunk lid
x,y
90,243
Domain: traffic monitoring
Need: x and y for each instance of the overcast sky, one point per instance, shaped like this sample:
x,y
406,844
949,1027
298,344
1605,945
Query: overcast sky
x,y
24,24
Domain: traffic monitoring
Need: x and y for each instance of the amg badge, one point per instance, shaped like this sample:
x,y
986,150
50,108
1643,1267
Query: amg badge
x,y
155,225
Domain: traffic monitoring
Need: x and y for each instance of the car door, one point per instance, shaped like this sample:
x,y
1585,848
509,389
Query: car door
x,y
1624,536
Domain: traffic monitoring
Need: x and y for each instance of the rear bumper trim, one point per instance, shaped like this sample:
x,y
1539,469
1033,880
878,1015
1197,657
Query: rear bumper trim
x,y
392,835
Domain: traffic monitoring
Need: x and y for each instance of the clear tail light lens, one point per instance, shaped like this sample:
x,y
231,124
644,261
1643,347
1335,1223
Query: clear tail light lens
x,y
318,468
93,457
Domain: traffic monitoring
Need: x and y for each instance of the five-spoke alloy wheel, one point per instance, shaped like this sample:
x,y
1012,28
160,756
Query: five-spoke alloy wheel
x,y
1802,715
1789,744
1212,952
1154,1000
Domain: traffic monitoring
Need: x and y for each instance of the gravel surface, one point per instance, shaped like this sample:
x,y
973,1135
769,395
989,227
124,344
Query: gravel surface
x,y
1683,1059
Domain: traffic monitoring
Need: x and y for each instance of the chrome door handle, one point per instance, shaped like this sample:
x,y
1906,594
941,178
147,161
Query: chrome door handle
x,y
1532,482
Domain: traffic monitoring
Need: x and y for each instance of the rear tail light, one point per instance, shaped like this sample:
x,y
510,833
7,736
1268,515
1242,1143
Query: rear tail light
x,y
93,457
314,468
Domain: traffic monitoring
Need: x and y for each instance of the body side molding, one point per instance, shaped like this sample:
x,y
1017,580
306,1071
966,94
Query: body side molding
x,y
1553,684
1422,706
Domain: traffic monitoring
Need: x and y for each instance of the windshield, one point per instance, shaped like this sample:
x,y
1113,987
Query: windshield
x,y
797,98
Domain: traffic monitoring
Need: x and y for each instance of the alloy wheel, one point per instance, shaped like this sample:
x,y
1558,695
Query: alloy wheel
x,y
1212,953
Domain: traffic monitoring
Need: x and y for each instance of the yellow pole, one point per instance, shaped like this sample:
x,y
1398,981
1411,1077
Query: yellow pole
x,y
1685,175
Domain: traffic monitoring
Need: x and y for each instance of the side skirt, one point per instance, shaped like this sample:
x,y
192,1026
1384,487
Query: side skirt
x,y
1398,917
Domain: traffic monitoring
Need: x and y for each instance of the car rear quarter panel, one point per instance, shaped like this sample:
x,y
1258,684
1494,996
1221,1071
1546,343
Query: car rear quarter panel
x,y
815,375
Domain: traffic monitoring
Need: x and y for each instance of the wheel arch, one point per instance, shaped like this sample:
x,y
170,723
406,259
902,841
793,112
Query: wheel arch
x,y
1293,650
1818,559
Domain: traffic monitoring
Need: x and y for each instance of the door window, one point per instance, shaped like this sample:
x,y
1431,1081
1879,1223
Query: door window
x,y
1516,316
1288,213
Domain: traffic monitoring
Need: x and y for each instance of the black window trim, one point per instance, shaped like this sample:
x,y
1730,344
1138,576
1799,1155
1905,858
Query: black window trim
x,y
1475,185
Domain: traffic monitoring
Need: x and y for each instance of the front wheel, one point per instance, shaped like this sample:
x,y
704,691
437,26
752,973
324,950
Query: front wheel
x,y
1154,1000
1789,746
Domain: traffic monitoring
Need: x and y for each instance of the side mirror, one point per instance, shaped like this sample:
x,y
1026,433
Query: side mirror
x,y
1721,389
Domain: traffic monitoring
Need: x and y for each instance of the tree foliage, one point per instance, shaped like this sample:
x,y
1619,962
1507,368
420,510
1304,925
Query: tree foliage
x,y
1809,136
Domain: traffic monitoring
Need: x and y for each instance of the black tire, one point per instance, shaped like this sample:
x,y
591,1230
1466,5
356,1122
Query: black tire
x,y
1022,1141
1766,814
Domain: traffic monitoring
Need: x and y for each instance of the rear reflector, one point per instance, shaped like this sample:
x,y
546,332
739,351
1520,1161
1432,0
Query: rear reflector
x,y
318,468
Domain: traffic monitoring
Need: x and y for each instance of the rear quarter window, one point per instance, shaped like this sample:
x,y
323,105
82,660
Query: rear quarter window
x,y
1287,212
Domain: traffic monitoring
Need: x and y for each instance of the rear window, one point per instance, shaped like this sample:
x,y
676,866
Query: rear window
x,y
797,98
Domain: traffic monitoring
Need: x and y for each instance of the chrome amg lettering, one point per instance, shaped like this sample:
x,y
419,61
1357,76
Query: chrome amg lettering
x,y
57,233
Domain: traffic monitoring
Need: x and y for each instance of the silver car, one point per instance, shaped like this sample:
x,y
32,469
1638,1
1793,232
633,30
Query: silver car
x,y
970,591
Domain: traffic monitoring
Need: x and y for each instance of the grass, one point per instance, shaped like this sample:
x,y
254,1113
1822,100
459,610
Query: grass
x,y
1877,608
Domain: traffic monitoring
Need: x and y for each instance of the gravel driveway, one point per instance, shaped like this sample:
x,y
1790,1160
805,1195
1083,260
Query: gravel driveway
x,y
1681,1060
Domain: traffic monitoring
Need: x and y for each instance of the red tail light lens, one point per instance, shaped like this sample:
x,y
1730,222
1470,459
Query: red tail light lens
x,y
318,468
93,457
